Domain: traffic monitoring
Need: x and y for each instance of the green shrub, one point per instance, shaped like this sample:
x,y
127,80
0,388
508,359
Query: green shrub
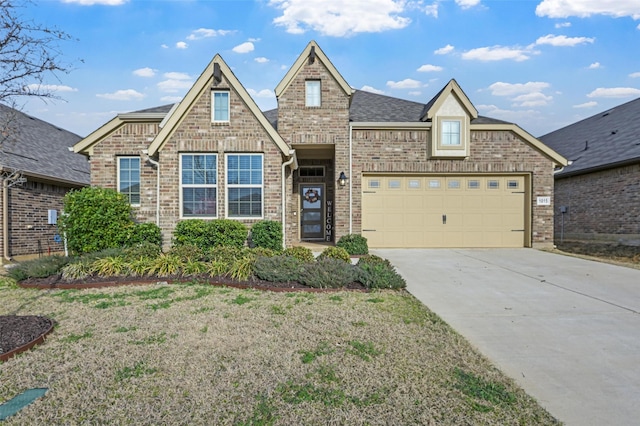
x,y
227,232
95,218
110,266
166,265
226,255
187,252
264,252
144,250
145,233
77,270
194,267
328,273
277,268
267,234
335,253
191,232
354,244
301,253
212,233
376,273
38,268
242,268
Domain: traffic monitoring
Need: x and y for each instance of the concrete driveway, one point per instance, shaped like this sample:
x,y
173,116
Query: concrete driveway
x,y
566,329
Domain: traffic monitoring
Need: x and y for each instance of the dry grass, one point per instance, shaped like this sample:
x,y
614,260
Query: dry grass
x,y
194,354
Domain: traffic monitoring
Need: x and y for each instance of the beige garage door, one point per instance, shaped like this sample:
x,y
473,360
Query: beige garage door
x,y
444,211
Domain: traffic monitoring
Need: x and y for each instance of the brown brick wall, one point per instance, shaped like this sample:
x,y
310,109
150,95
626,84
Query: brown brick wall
x,y
491,152
29,231
602,205
328,125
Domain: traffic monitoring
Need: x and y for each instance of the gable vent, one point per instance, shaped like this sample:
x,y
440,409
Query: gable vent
x,y
312,55
217,74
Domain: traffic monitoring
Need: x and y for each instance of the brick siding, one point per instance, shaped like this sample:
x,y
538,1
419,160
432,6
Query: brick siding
x,y
603,205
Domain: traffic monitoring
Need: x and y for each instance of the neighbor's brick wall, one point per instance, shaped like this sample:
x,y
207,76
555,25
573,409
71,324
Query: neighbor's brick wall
x,y
325,125
491,152
29,231
602,205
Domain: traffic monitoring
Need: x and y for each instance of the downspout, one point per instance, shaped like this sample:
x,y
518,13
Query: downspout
x,y
292,160
5,220
351,180
157,165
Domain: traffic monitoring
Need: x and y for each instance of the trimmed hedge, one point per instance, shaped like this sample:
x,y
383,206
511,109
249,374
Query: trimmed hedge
x,y
210,233
354,244
267,234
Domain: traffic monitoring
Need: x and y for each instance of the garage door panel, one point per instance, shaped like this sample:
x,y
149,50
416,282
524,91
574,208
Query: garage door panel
x,y
480,210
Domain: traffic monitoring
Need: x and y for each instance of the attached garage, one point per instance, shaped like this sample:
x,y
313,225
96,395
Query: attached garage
x,y
446,210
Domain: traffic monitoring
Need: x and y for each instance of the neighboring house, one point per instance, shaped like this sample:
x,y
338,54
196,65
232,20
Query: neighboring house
x,y
597,196
38,169
331,161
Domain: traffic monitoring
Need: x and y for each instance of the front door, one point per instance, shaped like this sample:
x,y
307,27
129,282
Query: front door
x,y
312,213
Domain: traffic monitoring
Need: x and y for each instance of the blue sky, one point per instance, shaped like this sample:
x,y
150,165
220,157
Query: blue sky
x,y
542,64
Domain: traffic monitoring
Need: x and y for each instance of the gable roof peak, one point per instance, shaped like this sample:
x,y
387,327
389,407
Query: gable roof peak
x,y
309,55
432,107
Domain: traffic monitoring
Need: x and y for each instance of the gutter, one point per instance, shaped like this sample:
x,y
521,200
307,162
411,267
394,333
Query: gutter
x,y
351,180
293,162
5,220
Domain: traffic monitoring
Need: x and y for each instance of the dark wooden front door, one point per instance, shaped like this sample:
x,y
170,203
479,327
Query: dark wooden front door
x,y
312,213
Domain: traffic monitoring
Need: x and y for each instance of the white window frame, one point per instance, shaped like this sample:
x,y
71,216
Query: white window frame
x,y
198,185
213,106
230,186
447,134
128,194
313,93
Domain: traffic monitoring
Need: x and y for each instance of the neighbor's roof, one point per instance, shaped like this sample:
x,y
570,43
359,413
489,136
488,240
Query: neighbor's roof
x,y
40,149
605,140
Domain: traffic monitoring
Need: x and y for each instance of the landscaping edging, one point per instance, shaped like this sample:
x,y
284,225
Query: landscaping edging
x,y
40,339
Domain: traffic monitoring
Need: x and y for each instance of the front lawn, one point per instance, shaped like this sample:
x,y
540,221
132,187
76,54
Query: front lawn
x,y
199,354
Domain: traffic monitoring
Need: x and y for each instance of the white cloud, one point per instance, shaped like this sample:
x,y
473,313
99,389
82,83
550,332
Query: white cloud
x,y
513,116
466,4
171,99
590,104
586,8
431,10
595,66
511,89
206,33
175,82
50,88
638,27
245,47
261,60
614,92
563,25
407,83
182,45
415,93
94,2
444,50
338,18
264,93
533,99
635,75
122,95
429,68
498,53
372,90
145,72
164,46
562,40
177,76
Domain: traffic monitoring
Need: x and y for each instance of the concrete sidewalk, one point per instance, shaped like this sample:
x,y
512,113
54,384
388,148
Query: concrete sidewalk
x,y
566,329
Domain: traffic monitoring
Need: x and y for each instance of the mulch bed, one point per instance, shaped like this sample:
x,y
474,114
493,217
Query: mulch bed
x,y
19,333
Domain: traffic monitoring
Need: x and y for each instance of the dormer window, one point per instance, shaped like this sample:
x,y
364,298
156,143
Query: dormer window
x,y
312,91
220,109
450,133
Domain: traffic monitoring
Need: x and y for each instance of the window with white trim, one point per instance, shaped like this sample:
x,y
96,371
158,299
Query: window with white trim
x,y
129,178
198,185
244,185
220,106
312,93
450,134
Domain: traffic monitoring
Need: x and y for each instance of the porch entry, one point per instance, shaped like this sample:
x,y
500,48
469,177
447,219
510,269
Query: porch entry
x,y
312,220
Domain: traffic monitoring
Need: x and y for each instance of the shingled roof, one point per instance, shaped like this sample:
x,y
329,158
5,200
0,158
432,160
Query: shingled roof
x,y
40,149
608,139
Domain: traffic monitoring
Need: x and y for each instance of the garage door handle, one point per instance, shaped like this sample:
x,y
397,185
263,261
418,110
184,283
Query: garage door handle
x,y
368,230
517,230
444,219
